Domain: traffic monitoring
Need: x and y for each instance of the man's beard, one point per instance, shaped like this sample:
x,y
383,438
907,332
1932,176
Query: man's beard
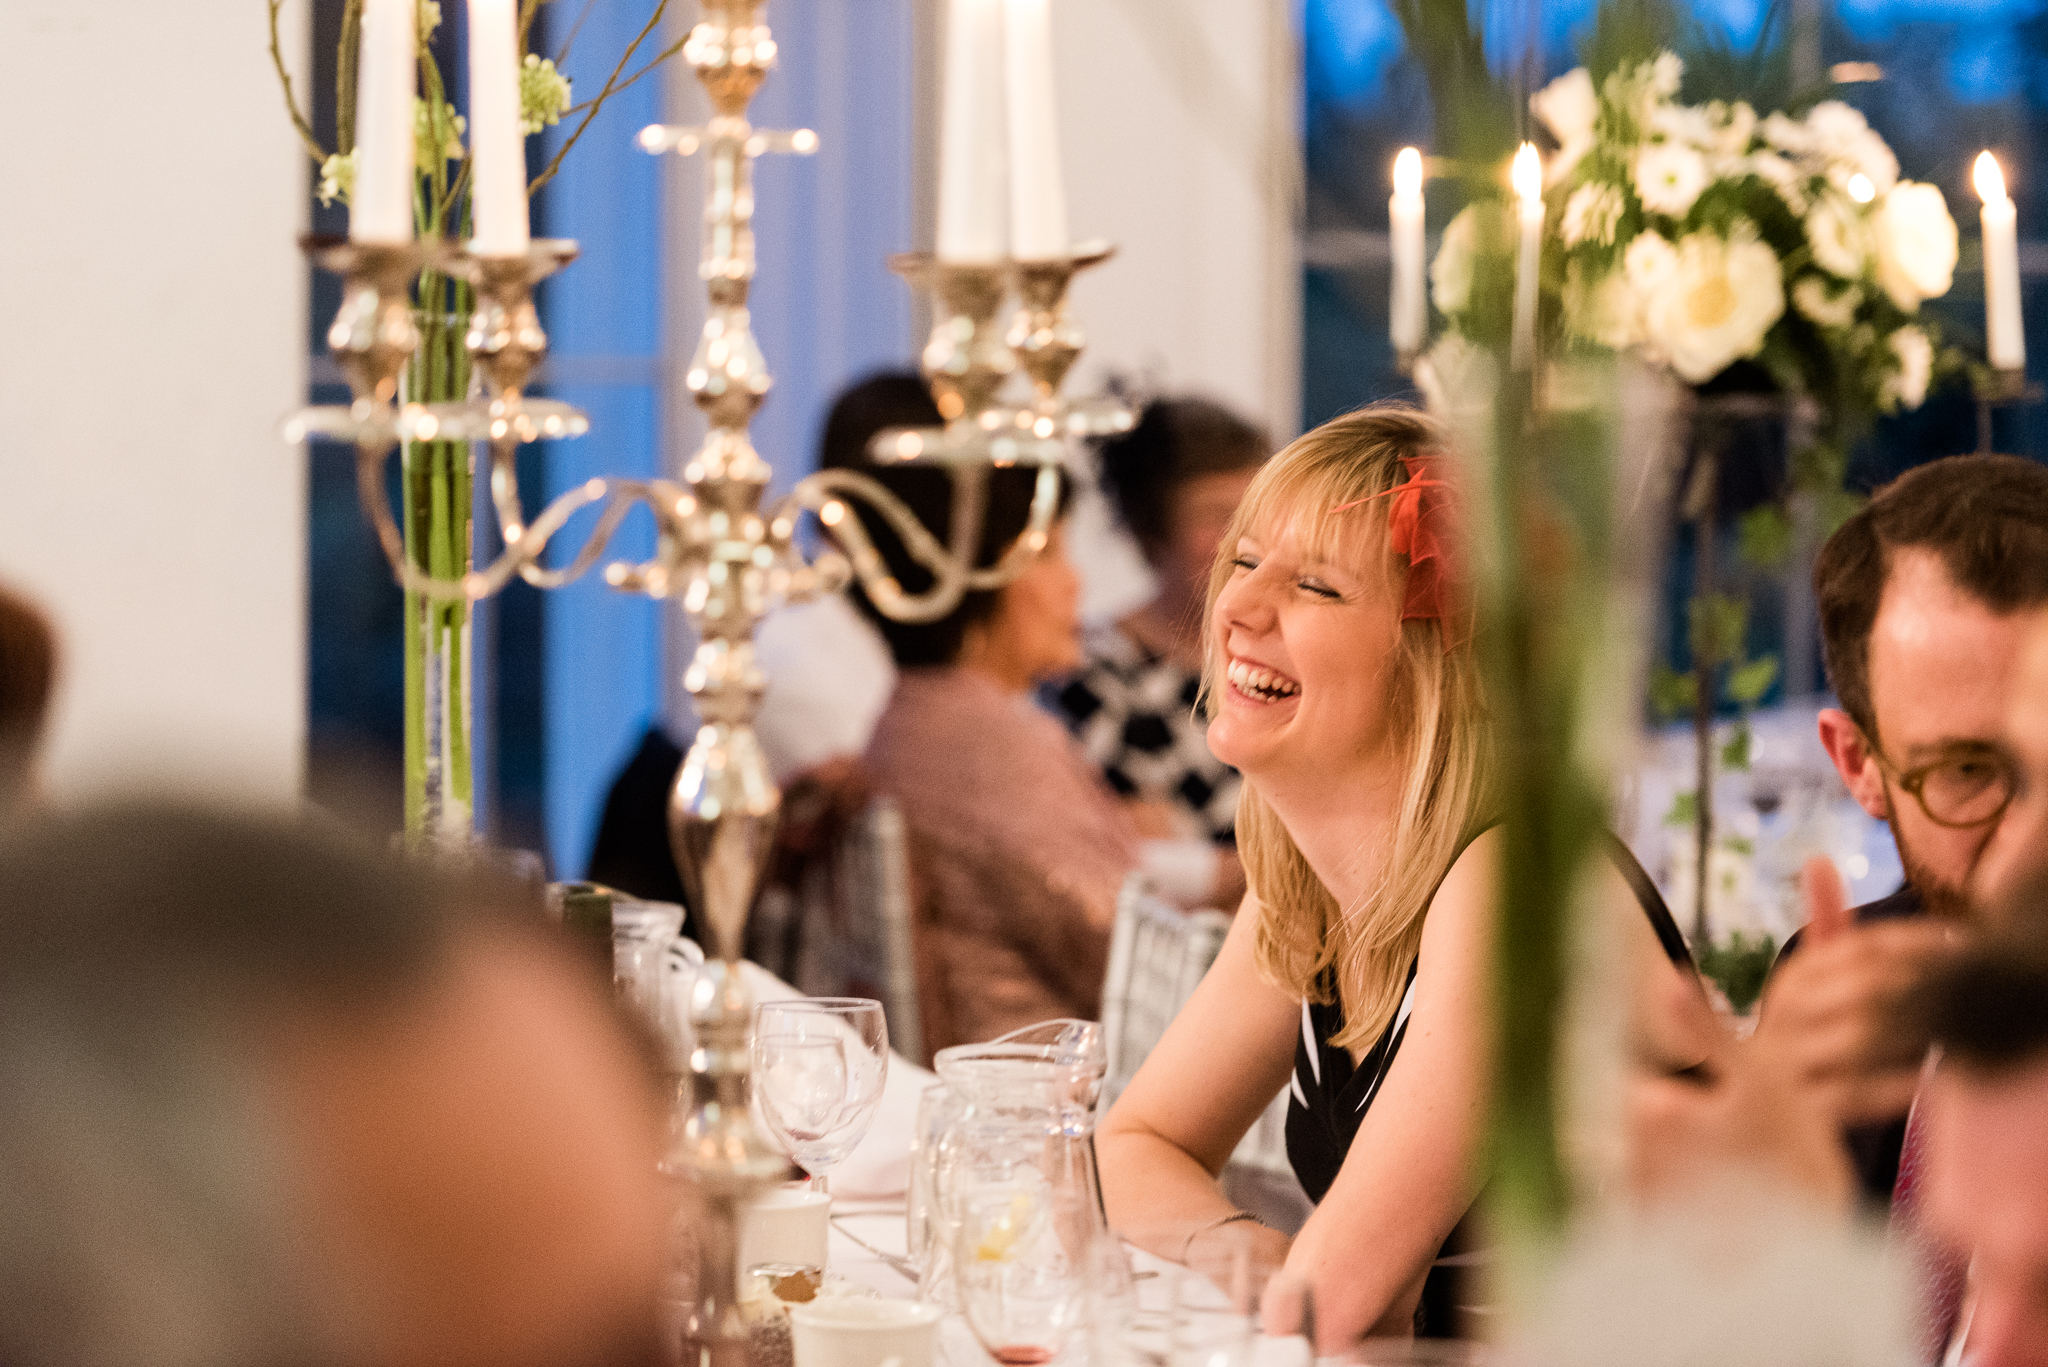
x,y
1948,901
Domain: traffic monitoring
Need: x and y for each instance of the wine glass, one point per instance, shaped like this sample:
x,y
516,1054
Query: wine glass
x,y
819,1066
1020,1240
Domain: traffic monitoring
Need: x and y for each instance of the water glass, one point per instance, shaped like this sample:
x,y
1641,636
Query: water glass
x,y
819,1067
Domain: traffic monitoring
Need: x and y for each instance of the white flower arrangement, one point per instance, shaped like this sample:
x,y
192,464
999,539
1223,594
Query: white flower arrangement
x,y
1705,235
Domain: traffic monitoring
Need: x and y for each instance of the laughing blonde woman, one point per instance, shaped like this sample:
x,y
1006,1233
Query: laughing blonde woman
x,y
1341,682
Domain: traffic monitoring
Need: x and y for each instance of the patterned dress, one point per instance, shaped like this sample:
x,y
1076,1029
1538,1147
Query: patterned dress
x,y
1134,713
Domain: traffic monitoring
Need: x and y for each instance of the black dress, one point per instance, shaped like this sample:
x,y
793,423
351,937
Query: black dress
x,y
1329,1095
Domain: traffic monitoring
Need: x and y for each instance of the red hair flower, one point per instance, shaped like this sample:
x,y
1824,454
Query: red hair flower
x,y
1420,526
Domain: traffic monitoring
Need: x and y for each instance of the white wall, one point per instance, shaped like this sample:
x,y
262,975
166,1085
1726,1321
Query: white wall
x,y
151,335
1178,125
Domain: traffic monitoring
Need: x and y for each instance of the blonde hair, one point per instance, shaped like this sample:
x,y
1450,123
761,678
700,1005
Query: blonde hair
x,y
1434,702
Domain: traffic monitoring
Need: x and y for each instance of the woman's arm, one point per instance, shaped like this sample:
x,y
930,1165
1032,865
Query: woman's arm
x,y
1411,1173
1223,1060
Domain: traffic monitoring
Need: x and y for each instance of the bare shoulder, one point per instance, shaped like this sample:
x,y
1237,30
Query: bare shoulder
x,y
1460,917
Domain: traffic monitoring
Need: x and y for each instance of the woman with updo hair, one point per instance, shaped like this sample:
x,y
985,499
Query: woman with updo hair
x,y
1017,847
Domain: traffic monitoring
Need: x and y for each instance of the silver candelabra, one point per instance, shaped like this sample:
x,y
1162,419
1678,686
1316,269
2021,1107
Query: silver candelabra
x,y
725,560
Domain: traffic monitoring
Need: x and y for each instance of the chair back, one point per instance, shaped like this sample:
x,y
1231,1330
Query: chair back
x,y
1157,956
853,923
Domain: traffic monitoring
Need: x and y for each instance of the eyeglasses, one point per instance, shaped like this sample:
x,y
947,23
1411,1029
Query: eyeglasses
x,y
1968,787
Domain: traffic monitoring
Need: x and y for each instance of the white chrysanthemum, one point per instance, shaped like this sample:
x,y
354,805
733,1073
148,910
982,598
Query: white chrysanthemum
x,y
1684,123
1669,178
1649,260
1603,310
543,94
1913,358
1840,242
1457,379
1734,128
337,178
1780,174
1818,302
1450,275
1666,75
1915,241
1787,134
1716,304
1568,107
1591,214
1850,146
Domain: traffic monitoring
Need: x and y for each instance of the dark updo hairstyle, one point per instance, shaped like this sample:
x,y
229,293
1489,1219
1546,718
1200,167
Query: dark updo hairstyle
x,y
1176,440
900,399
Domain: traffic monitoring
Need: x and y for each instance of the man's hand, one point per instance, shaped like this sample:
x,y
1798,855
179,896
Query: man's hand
x,y
1835,1013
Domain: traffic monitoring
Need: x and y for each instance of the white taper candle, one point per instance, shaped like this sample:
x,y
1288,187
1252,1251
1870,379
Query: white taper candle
x,y
974,163
2005,333
387,74
1038,198
497,148
1409,317
1528,183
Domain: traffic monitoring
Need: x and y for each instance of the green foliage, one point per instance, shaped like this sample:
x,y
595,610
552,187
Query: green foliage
x,y
1719,626
1685,810
1475,111
1735,750
1748,683
1672,694
1764,537
1739,965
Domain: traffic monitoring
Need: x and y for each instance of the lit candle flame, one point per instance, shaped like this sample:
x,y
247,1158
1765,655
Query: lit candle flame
x,y
1990,179
1408,173
1528,173
1861,188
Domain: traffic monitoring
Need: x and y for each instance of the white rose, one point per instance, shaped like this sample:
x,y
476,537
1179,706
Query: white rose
x,y
1840,242
1590,215
1669,178
1916,244
1716,304
1568,107
1734,127
1450,275
1817,301
1906,386
1603,310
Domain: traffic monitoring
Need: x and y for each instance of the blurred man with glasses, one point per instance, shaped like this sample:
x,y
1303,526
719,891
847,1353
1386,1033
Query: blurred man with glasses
x,y
1927,597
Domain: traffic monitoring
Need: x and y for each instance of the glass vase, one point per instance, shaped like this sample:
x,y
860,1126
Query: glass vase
x,y
437,479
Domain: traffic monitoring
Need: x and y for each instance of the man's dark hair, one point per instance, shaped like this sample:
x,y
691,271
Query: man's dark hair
x,y
1985,516
28,673
1175,440
901,400
1989,1012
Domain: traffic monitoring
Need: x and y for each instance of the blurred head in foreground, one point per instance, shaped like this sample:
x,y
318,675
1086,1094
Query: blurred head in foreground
x,y
266,1098
1926,597
1987,1145
28,673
